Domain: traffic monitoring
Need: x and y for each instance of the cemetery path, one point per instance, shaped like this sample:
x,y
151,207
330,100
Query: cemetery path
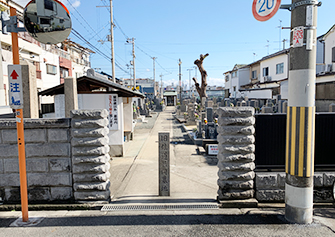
x,y
192,179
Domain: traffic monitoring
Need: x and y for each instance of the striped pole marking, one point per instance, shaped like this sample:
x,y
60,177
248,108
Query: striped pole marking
x,y
300,141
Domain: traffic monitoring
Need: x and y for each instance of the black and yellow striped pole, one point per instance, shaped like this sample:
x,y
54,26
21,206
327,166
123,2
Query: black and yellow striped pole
x,y
301,113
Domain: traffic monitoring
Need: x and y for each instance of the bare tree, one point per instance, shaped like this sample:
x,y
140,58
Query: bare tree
x,y
201,89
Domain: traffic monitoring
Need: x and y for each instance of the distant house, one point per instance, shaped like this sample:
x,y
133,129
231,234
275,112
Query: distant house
x,y
267,77
325,78
233,80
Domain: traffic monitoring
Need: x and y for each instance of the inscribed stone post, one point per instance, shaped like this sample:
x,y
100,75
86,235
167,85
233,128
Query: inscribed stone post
x,y
71,95
29,86
164,163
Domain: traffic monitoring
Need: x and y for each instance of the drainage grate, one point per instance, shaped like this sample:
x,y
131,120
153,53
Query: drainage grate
x,y
111,207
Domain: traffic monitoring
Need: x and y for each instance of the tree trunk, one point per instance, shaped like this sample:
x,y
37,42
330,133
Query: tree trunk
x,y
201,89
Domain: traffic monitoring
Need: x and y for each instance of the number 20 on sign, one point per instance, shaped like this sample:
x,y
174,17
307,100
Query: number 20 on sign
x,y
263,10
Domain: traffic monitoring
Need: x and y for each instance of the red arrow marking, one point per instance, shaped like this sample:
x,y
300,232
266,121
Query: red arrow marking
x,y
14,75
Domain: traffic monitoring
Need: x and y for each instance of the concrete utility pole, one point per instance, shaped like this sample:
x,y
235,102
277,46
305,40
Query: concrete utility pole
x,y
189,70
301,113
162,86
154,74
112,41
132,41
180,80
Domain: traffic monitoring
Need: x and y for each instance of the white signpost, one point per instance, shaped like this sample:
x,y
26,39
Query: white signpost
x,y
263,10
15,87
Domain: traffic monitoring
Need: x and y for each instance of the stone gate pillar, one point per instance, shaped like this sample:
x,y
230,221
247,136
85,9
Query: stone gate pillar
x,y
90,156
236,156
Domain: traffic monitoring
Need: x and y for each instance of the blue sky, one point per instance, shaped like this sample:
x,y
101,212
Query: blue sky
x,y
175,29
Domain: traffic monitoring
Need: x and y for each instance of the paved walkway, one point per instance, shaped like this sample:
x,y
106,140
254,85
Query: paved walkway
x,y
193,178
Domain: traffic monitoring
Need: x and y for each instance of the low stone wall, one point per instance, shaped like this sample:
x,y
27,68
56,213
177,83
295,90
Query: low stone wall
x,y
270,186
67,159
236,153
48,160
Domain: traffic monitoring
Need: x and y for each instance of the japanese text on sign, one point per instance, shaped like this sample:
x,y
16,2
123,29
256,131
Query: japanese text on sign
x,y
298,37
112,105
15,87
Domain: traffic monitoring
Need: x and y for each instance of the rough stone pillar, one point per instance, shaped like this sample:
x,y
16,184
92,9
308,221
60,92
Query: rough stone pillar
x,y
71,95
90,156
29,84
236,153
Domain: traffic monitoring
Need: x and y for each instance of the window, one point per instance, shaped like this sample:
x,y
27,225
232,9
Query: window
x,y
333,54
48,5
234,74
265,71
254,74
227,78
51,69
280,68
38,70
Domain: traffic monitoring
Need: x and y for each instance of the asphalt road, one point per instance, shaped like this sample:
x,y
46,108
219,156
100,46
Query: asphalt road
x,y
167,223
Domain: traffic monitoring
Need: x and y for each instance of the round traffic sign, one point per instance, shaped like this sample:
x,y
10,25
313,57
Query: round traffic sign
x,y
263,10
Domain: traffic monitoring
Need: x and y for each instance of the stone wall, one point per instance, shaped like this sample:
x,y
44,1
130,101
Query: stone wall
x,y
236,153
90,156
48,160
270,186
67,159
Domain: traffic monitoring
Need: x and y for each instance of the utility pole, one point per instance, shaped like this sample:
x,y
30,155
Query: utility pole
x,y
189,70
300,135
132,41
154,74
162,86
180,80
112,41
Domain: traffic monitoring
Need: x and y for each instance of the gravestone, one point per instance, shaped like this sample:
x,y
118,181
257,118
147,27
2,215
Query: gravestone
x,y
183,108
209,103
211,131
285,107
199,129
210,114
267,110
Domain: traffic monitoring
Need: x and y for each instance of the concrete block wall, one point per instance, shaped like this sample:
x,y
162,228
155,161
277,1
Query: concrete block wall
x,y
90,156
236,153
270,186
48,160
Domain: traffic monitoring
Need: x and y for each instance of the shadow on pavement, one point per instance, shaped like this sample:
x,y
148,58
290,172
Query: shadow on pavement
x,y
163,220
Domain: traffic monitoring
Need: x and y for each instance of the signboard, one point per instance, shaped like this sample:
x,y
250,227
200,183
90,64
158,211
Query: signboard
x,y
213,149
263,10
113,117
298,37
15,86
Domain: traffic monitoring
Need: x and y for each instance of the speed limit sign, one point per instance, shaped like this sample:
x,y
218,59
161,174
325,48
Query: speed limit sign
x,y
263,10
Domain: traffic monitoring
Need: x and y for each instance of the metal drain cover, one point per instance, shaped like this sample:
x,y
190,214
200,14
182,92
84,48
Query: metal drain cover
x,y
113,207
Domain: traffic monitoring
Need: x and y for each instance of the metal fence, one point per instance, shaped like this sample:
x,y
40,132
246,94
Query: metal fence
x,y
271,141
